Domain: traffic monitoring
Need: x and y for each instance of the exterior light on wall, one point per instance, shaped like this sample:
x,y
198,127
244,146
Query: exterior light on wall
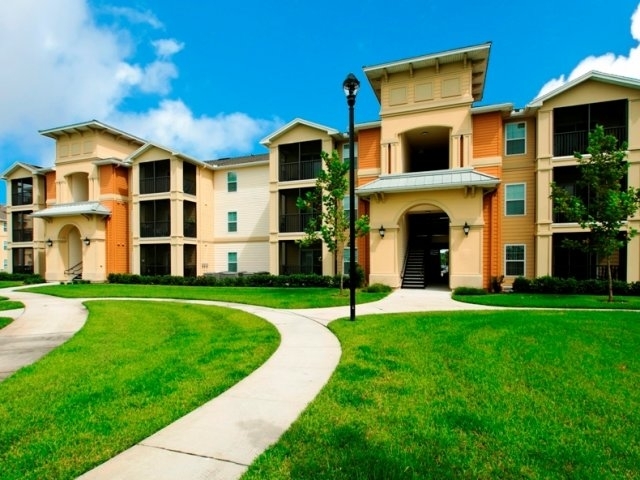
x,y
49,242
86,241
382,231
466,229
350,87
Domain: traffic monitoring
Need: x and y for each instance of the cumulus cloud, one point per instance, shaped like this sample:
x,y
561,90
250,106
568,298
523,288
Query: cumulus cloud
x,y
65,66
626,66
173,124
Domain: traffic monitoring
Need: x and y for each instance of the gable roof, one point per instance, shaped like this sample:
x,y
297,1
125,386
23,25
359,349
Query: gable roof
x,y
34,169
477,55
294,123
592,75
245,160
82,127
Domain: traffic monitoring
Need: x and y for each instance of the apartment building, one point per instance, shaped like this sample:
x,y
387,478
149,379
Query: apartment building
x,y
456,193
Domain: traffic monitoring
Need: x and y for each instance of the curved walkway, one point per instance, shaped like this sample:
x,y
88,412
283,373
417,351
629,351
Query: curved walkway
x,y
220,439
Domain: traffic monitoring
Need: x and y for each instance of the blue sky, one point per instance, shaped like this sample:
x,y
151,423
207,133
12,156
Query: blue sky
x,y
211,79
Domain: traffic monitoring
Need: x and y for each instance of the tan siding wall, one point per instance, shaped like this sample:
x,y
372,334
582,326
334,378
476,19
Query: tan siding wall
x,y
252,256
487,135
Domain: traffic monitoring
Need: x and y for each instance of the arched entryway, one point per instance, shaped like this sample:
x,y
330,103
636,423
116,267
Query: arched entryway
x,y
427,254
71,248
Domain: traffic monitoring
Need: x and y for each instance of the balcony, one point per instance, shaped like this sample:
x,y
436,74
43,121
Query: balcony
x,y
295,222
567,143
302,170
190,229
22,198
154,184
22,235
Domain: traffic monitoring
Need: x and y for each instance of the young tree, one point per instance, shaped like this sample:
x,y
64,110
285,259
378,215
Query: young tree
x,y
330,222
609,205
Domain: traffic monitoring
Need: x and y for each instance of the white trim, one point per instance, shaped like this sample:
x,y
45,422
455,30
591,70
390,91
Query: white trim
x,y
506,199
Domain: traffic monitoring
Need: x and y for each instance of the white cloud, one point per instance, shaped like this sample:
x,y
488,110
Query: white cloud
x,y
63,67
173,125
136,16
167,47
626,66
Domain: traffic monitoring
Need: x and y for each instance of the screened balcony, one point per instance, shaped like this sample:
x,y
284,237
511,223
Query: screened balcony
x,y
295,259
155,177
292,219
155,218
22,191
571,125
300,161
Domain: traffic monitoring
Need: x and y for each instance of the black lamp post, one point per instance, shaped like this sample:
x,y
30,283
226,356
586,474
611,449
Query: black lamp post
x,y
350,86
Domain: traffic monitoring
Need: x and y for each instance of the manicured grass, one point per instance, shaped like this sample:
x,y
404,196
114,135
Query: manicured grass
x,y
134,368
538,300
486,394
267,297
4,321
6,304
7,283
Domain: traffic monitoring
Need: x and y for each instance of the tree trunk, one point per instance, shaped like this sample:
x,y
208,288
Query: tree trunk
x,y
610,279
340,265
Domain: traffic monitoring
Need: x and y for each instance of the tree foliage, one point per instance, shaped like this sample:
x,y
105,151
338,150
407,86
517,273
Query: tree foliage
x,y
326,201
606,206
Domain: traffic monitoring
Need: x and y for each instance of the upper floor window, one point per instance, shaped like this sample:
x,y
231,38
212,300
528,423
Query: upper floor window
x,y
155,218
155,176
515,199
232,182
190,215
515,138
345,153
514,260
189,178
232,221
22,227
22,191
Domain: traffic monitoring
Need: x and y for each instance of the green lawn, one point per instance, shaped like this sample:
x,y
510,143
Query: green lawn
x,y
7,283
6,304
4,321
538,300
134,368
267,297
487,394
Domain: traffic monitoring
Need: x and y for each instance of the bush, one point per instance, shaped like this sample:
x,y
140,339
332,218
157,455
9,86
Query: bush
x,y
377,288
26,278
496,284
469,291
228,280
521,285
570,286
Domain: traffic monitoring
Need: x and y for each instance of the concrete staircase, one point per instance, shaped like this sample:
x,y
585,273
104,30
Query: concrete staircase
x,y
413,275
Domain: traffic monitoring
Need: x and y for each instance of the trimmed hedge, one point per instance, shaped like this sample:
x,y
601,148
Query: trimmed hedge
x,y
26,278
549,284
469,291
225,280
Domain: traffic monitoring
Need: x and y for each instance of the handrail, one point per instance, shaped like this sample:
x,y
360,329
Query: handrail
x,y
77,268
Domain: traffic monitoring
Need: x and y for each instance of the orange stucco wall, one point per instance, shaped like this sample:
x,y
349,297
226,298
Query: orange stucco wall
x,y
50,179
487,135
492,237
369,148
113,184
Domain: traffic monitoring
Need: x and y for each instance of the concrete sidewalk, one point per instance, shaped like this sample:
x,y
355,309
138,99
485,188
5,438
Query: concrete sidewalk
x,y
221,439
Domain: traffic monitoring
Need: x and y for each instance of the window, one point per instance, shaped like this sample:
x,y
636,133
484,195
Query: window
x,y
515,138
514,199
155,176
189,215
345,153
22,260
347,259
155,259
189,178
232,261
22,191
232,221
514,260
22,227
4,245
345,205
155,218
232,182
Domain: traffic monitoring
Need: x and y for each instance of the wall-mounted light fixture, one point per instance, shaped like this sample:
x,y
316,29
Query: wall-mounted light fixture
x,y
86,241
49,242
382,231
466,228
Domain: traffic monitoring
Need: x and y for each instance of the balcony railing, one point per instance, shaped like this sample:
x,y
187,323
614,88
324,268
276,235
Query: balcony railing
x,y
154,184
302,170
22,235
22,198
566,144
22,269
295,222
155,229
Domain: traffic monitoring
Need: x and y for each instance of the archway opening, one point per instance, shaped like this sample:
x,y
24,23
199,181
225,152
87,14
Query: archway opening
x,y
427,258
